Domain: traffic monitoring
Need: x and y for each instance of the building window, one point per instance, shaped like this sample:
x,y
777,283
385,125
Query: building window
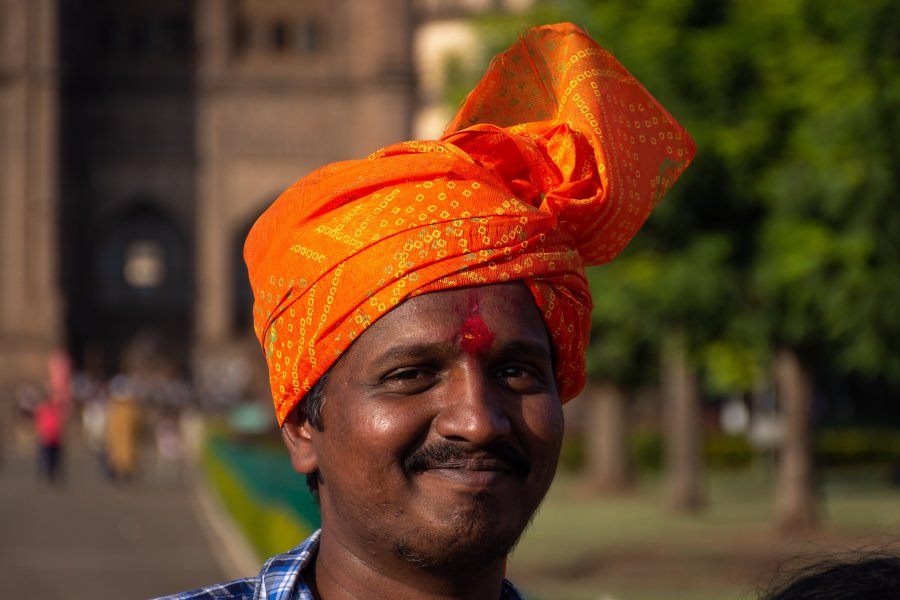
x,y
119,37
279,36
282,36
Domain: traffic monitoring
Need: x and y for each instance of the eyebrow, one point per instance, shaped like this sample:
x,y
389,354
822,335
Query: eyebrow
x,y
419,351
533,349
436,350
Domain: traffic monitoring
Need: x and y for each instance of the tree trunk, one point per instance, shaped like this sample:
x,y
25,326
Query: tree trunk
x,y
796,504
606,439
683,437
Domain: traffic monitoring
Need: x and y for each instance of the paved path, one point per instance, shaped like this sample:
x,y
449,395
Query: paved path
x,y
89,539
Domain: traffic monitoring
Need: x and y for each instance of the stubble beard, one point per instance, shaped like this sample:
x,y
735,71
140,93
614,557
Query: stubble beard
x,y
472,542
471,536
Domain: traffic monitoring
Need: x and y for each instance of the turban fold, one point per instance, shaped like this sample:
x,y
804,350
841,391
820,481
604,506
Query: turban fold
x,y
553,162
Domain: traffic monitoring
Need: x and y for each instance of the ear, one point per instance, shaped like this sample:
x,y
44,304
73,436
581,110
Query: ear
x,y
298,439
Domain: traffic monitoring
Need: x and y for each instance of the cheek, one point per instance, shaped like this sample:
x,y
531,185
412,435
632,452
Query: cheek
x,y
379,432
544,421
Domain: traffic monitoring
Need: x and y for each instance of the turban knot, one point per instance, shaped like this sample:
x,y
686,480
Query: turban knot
x,y
552,164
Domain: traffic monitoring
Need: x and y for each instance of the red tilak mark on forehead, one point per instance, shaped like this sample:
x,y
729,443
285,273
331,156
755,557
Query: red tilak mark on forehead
x,y
475,336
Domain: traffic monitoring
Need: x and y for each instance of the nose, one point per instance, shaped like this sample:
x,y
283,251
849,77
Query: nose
x,y
472,409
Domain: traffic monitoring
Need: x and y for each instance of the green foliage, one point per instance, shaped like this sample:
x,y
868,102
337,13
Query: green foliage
x,y
732,366
829,247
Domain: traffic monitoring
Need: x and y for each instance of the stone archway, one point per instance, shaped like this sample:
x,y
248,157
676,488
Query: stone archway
x,y
142,287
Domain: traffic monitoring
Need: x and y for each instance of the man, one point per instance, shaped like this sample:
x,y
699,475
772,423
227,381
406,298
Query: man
x,y
424,314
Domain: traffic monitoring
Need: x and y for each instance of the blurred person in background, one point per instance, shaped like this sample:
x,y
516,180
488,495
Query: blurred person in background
x,y
169,447
89,394
424,314
123,423
49,422
93,426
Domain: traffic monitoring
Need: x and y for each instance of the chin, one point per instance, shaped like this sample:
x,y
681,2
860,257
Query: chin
x,y
472,540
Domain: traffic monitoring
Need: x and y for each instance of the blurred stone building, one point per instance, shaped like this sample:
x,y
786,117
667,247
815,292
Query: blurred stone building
x,y
140,140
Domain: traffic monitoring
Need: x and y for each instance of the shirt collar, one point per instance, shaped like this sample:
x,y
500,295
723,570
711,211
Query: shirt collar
x,y
281,577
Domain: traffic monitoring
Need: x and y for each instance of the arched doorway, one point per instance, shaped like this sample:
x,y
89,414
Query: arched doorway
x,y
142,289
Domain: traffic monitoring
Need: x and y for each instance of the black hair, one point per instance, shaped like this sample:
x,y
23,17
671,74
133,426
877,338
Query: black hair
x,y
864,576
310,409
311,403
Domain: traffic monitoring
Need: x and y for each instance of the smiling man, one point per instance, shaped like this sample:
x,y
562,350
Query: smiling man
x,y
424,314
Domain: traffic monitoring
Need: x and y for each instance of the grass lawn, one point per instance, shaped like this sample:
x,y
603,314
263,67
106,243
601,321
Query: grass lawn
x,y
629,548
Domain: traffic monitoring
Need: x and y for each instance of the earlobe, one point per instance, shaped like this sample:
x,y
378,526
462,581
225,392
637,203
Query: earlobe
x,y
298,440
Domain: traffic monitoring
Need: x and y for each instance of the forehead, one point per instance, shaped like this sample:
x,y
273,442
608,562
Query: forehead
x,y
507,310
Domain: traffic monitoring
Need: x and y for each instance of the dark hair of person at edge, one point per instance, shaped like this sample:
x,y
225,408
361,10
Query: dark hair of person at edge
x,y
861,575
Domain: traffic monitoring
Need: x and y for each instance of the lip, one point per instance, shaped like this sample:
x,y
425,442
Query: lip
x,y
477,474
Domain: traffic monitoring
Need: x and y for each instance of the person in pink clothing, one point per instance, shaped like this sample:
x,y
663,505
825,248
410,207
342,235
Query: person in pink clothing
x,y
49,420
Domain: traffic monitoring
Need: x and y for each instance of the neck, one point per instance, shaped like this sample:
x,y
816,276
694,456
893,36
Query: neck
x,y
342,574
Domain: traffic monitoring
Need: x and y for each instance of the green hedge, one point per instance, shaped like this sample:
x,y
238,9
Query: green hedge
x,y
854,447
833,448
262,492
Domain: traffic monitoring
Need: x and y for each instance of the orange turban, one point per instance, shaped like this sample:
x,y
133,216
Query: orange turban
x,y
553,163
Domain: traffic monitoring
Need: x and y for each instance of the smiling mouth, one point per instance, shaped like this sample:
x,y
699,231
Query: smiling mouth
x,y
471,465
458,463
487,464
468,478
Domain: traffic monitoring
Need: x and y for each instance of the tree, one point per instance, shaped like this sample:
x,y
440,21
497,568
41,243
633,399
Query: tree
x,y
652,312
828,246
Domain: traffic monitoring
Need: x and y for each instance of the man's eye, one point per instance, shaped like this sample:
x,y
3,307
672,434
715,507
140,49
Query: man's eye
x,y
526,378
513,372
521,375
407,375
408,380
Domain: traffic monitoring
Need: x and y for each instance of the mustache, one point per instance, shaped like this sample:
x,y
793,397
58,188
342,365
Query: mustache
x,y
444,454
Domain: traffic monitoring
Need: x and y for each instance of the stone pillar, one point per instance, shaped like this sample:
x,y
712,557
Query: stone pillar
x,y
29,297
219,357
212,251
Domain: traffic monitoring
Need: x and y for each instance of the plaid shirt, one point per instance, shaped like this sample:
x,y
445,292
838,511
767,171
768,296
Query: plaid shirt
x,y
281,579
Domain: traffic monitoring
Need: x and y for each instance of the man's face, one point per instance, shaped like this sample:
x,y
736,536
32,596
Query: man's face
x,y
441,429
